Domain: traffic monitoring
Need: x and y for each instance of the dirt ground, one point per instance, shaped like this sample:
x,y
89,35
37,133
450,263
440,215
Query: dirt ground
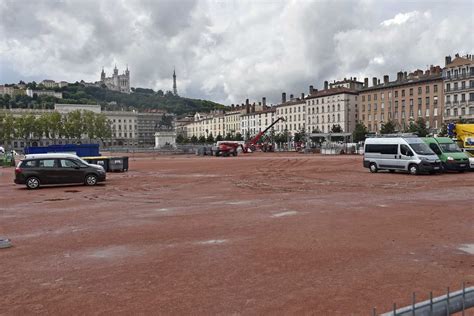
x,y
255,234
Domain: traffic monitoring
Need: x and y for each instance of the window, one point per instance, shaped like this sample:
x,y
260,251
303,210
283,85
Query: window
x,y
427,89
463,85
471,96
419,90
363,98
375,97
47,163
405,150
411,91
384,149
66,163
396,94
403,92
29,163
435,88
448,87
368,97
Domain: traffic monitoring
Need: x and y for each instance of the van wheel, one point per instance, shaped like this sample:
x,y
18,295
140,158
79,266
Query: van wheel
x,y
91,179
413,169
373,167
32,183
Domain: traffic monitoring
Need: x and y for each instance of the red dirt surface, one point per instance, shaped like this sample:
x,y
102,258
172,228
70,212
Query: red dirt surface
x,y
255,234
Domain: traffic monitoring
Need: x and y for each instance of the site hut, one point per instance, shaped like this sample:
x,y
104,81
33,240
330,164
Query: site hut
x,y
404,100
334,105
294,113
458,78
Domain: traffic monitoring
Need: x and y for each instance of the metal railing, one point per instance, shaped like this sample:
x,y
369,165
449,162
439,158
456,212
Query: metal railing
x,y
450,303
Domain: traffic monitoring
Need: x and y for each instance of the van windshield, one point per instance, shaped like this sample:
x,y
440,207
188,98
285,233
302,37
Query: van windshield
x,y
450,148
422,149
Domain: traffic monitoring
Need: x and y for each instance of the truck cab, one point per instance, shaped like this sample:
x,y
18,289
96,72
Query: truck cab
x,y
451,156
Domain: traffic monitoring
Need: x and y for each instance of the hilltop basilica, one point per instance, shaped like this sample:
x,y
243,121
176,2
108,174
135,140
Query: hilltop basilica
x,y
117,82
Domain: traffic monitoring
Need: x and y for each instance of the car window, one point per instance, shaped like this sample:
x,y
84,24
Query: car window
x,y
47,163
66,163
28,164
435,148
405,150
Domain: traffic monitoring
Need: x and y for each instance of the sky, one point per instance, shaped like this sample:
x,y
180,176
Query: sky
x,y
229,50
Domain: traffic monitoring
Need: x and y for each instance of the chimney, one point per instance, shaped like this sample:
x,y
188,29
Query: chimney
x,y
355,78
302,95
311,89
283,97
399,76
232,106
366,82
264,101
374,81
385,79
247,102
326,84
405,75
253,108
291,97
447,60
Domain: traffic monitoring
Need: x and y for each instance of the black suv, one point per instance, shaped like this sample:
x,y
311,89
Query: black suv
x,y
36,170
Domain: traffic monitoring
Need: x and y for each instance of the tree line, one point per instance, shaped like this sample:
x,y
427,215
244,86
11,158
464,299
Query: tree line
x,y
138,99
74,125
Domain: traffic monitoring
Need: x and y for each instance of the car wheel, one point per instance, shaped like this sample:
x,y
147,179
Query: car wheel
x,y
91,179
413,169
392,171
373,167
32,183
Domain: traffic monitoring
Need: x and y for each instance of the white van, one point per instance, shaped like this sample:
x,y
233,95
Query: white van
x,y
400,153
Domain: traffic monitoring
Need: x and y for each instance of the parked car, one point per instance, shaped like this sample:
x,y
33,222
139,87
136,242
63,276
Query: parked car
x,y
43,169
400,153
451,156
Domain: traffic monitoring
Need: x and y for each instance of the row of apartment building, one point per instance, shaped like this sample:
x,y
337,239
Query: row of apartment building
x,y
438,95
129,128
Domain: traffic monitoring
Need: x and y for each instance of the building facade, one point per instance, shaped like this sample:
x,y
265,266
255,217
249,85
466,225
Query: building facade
x,y
404,100
335,106
31,93
458,78
117,82
293,112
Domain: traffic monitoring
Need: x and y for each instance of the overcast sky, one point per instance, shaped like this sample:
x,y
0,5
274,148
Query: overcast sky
x,y
229,50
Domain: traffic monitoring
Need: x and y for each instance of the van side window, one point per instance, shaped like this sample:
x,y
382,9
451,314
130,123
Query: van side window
x,y
435,148
47,163
29,164
405,150
385,149
66,163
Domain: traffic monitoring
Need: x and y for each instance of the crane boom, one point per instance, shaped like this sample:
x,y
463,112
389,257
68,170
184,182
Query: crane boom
x,y
255,140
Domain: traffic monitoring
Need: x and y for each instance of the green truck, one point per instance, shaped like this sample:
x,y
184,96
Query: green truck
x,y
451,156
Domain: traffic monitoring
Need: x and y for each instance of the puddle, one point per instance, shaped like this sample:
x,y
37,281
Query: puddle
x,y
468,248
289,213
213,242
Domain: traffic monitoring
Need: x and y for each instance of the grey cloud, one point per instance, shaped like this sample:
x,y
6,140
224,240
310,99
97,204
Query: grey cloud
x,y
228,51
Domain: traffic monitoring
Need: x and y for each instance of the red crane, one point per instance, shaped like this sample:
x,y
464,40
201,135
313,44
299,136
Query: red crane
x,y
252,144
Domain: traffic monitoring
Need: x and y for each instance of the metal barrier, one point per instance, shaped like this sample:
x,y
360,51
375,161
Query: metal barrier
x,y
450,303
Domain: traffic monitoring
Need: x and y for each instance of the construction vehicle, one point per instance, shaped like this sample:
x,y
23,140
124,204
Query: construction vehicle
x,y
231,148
253,144
464,134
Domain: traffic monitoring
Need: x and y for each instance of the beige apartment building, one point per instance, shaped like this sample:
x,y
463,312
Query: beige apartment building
x,y
458,76
404,100
335,105
294,113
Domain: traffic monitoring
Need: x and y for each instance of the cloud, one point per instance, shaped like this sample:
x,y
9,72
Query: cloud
x,y
230,50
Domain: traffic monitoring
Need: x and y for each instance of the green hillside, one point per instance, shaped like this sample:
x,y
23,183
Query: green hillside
x,y
139,99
